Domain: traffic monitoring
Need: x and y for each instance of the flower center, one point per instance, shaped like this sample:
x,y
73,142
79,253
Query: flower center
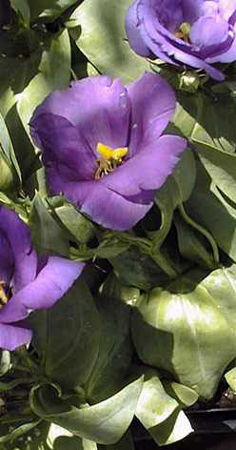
x,y
183,32
109,159
3,296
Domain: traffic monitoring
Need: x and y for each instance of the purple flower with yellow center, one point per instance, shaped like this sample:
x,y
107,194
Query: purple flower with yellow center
x,y
27,282
102,145
194,32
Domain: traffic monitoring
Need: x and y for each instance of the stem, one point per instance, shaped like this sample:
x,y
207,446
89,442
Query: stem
x,y
202,230
164,264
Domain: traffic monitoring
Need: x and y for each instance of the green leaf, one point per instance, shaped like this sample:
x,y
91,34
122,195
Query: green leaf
x,y
115,289
54,74
211,210
81,228
115,349
67,337
21,7
10,172
221,167
175,428
137,269
175,191
5,362
160,413
154,405
230,377
49,8
47,236
192,245
104,423
100,25
203,119
188,328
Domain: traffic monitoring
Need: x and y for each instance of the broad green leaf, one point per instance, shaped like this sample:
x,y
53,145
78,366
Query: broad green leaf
x,y
111,247
175,428
47,236
160,412
211,210
10,172
154,405
204,120
67,338
230,377
115,349
115,289
175,191
189,318
104,423
184,395
80,227
54,432
54,73
49,8
99,26
221,167
22,8
136,269
192,245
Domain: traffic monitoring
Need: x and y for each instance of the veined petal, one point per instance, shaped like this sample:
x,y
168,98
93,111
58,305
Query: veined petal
x,y
63,146
149,169
52,282
132,30
105,206
13,336
207,31
97,106
153,105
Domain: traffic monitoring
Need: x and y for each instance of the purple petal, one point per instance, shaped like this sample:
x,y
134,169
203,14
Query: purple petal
x,y
153,105
104,206
132,30
12,337
114,211
52,282
63,147
149,169
208,31
97,106
18,236
6,261
192,9
164,44
227,8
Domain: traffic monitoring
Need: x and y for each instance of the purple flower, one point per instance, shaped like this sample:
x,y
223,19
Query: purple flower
x,y
193,32
102,145
27,282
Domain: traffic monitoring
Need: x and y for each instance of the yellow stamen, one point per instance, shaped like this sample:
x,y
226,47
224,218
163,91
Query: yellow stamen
x,y
109,153
3,296
183,32
109,160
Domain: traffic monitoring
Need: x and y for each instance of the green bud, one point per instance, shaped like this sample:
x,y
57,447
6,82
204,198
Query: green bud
x,y
189,82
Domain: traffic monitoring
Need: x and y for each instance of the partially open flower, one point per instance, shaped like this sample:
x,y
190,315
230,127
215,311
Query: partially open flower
x,y
193,32
27,282
102,145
